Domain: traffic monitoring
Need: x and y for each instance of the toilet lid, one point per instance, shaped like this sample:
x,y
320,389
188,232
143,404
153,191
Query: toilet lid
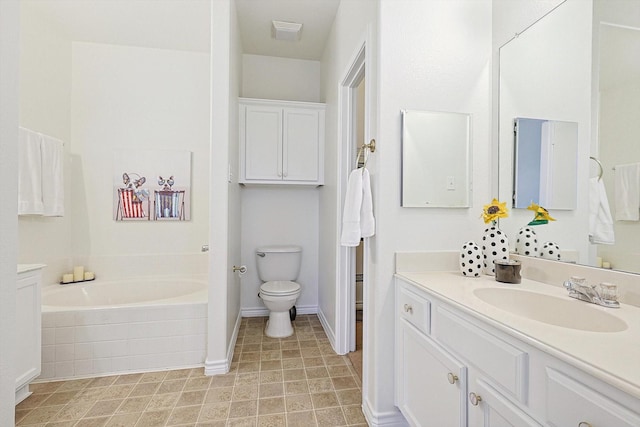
x,y
277,287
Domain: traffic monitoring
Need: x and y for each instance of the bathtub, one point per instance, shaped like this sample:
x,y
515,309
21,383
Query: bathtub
x,y
112,327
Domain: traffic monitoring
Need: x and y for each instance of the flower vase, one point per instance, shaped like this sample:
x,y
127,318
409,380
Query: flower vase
x,y
471,259
495,245
527,242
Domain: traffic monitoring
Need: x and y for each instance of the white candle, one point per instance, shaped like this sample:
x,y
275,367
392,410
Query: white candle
x,y
606,264
88,275
67,278
78,273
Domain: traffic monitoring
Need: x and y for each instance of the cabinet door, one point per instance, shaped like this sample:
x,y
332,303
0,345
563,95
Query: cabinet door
x,y
28,328
301,144
431,384
263,142
488,408
571,403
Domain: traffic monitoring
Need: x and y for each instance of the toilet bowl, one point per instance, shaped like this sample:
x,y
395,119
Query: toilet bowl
x,y
278,267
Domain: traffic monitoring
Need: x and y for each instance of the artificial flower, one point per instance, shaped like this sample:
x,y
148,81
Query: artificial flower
x,y
494,210
541,215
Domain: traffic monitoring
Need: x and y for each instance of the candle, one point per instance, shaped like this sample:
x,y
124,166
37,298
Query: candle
x,y
67,278
606,264
598,262
78,273
88,275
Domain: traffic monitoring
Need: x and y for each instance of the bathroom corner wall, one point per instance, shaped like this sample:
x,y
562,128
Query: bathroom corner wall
x,y
45,106
273,215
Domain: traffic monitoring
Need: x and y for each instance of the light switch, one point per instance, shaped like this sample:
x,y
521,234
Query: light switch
x,y
451,183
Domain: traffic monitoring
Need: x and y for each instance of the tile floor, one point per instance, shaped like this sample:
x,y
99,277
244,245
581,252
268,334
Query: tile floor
x,y
294,381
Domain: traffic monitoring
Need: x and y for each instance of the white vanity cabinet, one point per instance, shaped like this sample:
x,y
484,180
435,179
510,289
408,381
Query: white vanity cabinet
x,y
28,327
281,142
457,369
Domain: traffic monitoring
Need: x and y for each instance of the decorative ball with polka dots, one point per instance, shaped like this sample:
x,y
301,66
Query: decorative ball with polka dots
x,y
526,242
550,250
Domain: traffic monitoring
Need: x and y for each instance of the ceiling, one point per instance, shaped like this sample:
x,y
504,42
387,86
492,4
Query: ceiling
x,y
185,24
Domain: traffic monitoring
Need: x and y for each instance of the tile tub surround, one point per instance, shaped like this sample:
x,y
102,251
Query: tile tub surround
x,y
294,381
87,343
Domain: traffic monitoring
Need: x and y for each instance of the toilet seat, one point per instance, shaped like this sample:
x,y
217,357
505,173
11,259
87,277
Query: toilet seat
x,y
279,288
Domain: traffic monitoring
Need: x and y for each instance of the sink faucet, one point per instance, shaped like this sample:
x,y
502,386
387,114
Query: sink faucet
x,y
579,289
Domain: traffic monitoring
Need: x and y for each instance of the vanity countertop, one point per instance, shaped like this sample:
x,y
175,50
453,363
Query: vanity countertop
x,y
613,357
23,268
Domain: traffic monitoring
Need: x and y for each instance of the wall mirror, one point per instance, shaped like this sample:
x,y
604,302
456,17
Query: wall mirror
x,y
545,166
436,159
573,65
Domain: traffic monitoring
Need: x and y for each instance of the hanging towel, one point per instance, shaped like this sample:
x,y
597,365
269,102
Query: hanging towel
x,y
29,173
367,221
357,217
627,185
600,221
52,151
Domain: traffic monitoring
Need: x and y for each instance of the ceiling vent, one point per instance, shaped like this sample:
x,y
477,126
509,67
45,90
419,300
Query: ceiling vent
x,y
289,31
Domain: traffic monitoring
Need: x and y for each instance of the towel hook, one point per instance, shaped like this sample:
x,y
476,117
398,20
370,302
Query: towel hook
x,y
371,147
599,166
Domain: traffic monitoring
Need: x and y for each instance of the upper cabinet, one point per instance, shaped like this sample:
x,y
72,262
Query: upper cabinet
x,y
281,142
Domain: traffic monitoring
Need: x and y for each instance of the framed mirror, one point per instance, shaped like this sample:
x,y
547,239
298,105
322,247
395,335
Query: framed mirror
x,y
436,159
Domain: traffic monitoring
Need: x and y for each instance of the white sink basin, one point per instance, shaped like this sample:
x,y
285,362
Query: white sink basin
x,y
565,312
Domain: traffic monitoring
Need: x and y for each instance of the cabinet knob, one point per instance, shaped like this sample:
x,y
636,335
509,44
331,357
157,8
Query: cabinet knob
x,y
452,378
475,399
408,309
584,424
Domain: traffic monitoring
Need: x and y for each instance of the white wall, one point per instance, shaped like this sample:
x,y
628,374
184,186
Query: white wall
x,y
277,216
9,99
270,77
139,99
433,55
45,106
273,215
556,87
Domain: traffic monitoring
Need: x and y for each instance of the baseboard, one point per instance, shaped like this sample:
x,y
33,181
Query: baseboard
x,y
219,367
327,329
263,311
390,419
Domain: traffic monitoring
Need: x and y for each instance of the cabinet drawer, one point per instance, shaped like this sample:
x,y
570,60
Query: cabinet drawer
x,y
570,403
503,363
414,309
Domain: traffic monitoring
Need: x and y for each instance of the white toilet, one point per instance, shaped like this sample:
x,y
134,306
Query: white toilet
x,y
278,267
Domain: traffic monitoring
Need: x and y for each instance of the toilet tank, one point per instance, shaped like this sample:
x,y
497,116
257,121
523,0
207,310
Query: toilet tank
x,y
280,262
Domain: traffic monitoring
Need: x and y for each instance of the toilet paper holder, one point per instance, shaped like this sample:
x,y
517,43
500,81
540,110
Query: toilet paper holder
x,y
242,269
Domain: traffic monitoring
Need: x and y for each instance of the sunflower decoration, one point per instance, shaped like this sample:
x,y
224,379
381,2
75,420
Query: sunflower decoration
x,y
541,215
494,210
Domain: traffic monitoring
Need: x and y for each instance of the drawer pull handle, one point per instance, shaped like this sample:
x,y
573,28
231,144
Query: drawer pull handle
x,y
408,309
475,399
584,424
452,378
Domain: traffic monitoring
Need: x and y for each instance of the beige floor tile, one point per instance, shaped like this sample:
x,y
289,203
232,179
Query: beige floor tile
x,y
267,346
306,419
21,413
242,422
277,420
153,377
349,397
243,409
178,374
33,401
73,411
310,362
102,381
91,394
153,418
290,345
296,387
298,402
245,392
293,374
41,415
62,423
144,389
136,404
250,356
197,383
104,407
251,378
93,422
75,384
320,385
222,394
128,379
289,354
271,405
270,377
330,417
59,398
353,414
325,400
270,365
184,415
318,372
45,388
171,386
191,398
116,391
342,383
271,390
124,420
336,360
295,363
214,412
248,366
339,371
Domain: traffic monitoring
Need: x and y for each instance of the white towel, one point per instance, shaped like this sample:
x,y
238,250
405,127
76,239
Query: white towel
x,y
29,173
627,185
52,151
600,221
357,217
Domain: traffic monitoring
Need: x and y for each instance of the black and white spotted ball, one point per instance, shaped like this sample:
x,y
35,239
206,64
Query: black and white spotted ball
x,y
550,250
527,242
471,259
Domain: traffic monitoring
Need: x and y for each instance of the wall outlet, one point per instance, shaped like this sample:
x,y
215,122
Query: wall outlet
x,y
451,183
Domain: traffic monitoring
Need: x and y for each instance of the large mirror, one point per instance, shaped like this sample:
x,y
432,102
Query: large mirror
x,y
435,159
575,65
